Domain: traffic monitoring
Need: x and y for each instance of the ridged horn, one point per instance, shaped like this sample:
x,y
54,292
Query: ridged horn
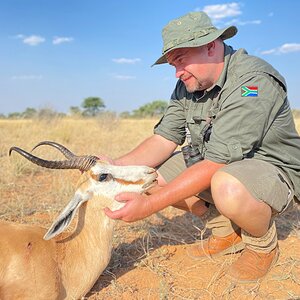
x,y
65,151
82,163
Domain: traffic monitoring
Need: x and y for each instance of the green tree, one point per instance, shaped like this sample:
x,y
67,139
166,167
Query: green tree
x,y
92,106
153,109
29,113
14,115
75,111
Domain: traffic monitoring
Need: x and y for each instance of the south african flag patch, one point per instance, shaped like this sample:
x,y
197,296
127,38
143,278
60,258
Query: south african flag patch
x,y
249,91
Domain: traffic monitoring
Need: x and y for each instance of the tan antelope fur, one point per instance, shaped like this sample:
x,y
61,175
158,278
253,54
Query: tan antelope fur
x,y
61,265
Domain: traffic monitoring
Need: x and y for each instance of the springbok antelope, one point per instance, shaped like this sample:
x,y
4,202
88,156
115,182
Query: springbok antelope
x,y
39,265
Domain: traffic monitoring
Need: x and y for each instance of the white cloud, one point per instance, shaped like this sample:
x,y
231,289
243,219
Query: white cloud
x,y
33,40
126,60
19,36
124,77
221,11
27,77
285,48
243,23
59,40
266,52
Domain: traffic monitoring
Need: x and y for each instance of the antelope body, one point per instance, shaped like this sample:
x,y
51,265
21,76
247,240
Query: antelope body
x,y
57,265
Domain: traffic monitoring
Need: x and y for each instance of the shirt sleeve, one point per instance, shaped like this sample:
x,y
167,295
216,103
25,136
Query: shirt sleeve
x,y
243,119
172,125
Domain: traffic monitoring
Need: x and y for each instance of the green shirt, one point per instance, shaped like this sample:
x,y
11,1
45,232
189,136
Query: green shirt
x,y
259,125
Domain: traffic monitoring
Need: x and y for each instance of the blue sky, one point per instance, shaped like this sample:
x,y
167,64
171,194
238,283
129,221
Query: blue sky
x,y
55,53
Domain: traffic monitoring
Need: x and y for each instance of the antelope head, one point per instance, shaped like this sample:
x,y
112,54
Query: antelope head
x,y
100,178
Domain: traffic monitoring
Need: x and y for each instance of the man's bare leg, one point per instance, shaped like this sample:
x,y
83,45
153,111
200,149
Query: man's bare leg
x,y
258,229
224,237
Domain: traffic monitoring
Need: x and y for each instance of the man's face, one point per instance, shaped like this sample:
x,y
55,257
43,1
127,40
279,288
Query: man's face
x,y
194,66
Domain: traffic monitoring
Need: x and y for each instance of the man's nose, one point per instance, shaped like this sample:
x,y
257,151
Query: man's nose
x,y
179,72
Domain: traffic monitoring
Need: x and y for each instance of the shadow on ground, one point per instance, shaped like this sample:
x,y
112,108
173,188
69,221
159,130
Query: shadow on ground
x,y
163,229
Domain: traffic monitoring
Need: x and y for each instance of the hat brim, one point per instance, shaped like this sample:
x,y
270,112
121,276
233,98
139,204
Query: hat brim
x,y
224,34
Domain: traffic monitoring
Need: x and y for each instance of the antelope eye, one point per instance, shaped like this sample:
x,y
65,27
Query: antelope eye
x,y
103,177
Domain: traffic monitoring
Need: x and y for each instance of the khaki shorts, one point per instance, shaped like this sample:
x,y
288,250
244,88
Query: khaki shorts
x,y
263,180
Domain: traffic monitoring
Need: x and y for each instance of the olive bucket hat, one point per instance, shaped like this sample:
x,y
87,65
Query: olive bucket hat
x,y
191,30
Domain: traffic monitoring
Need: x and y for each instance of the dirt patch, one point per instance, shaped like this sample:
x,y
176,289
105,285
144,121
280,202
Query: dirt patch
x,y
149,261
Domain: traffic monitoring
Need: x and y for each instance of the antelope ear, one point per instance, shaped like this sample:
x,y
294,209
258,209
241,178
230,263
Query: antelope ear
x,y
66,216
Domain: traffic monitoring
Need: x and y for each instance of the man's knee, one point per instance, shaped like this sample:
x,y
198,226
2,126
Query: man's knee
x,y
227,192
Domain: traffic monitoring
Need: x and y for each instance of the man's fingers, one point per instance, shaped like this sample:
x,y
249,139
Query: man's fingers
x,y
117,214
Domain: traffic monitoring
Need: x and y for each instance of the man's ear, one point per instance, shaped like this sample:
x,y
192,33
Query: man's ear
x,y
211,47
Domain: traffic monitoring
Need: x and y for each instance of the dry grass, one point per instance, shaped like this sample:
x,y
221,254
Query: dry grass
x,y
149,259
25,188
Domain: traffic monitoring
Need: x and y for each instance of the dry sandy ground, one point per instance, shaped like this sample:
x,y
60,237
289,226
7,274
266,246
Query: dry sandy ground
x,y
150,262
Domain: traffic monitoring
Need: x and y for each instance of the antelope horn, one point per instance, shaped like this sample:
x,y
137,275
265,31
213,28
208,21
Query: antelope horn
x,y
66,152
82,163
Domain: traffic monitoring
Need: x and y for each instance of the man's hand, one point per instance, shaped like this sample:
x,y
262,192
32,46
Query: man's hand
x,y
136,207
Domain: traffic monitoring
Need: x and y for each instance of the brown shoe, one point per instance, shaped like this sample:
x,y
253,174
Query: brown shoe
x,y
215,246
252,265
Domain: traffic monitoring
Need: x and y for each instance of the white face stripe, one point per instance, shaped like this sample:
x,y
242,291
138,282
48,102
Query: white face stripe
x,y
124,179
127,173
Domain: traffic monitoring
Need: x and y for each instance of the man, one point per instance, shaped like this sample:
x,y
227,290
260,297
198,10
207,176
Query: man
x,y
233,109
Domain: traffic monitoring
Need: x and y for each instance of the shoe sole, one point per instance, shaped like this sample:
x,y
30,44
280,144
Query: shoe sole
x,y
230,250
